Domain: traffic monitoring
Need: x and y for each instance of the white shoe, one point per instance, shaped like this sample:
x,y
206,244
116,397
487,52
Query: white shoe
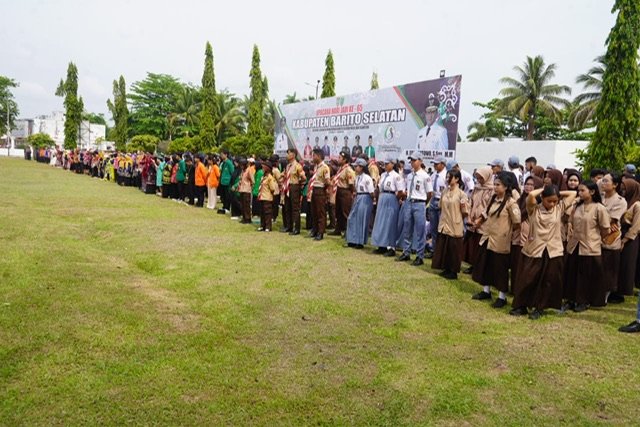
x,y
235,218
267,230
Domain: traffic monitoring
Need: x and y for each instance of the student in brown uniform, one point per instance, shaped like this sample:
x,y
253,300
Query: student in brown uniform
x,y
588,223
616,206
499,219
279,176
630,241
480,198
454,207
294,179
317,194
267,191
245,188
342,187
539,280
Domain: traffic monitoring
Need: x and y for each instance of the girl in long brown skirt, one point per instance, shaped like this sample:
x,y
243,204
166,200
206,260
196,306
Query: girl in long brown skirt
x,y
630,240
583,273
480,198
539,281
498,221
611,186
453,209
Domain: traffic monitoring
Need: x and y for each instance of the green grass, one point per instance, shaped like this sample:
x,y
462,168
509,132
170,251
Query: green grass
x,y
122,308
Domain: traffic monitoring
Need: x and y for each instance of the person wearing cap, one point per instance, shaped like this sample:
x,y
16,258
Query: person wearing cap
x,y
226,171
433,136
360,216
370,150
294,179
345,147
247,179
268,189
342,189
439,182
356,151
282,142
514,166
496,166
201,173
385,227
629,171
317,194
415,215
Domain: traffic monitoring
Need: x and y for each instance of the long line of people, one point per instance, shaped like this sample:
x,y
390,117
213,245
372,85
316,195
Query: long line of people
x,y
547,237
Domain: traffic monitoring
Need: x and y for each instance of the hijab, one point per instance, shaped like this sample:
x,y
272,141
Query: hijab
x,y
631,191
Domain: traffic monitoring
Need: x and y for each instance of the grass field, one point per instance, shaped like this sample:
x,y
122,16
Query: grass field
x,y
122,308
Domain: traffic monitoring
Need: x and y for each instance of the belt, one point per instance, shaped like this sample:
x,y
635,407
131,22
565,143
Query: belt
x,y
363,193
417,201
390,192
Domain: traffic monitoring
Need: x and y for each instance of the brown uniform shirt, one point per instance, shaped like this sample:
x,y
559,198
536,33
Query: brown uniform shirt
x,y
632,217
374,173
321,176
246,181
295,172
616,207
586,222
497,228
345,178
268,188
480,198
453,204
279,177
545,231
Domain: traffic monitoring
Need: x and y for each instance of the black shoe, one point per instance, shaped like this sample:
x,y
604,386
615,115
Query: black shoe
x,y
380,251
520,311
359,246
318,237
349,245
221,211
631,327
285,230
499,303
312,234
428,255
294,232
535,314
579,308
443,273
569,305
615,298
390,253
403,257
468,270
417,262
482,295
334,233
451,276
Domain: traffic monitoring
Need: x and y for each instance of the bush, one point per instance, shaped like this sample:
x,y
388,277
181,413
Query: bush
x,y
40,140
146,143
184,144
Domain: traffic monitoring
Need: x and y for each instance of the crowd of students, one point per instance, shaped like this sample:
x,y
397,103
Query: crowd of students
x,y
545,236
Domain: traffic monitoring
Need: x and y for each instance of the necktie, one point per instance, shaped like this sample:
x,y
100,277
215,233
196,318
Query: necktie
x,y
435,183
413,178
428,130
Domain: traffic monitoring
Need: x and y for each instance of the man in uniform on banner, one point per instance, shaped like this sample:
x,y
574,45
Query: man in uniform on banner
x,y
316,146
370,151
345,148
433,136
282,142
326,150
308,150
334,152
356,151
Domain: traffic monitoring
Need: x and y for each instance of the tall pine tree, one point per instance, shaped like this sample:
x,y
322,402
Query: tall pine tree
x,y
208,113
618,112
73,106
329,78
120,113
255,128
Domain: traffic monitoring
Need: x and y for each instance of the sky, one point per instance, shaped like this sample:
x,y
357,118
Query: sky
x,y
403,41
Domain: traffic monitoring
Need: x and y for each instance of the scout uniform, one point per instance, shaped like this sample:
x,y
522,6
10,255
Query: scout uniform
x,y
293,178
317,195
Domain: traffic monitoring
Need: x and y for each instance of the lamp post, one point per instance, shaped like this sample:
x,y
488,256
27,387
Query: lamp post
x,y
8,130
317,85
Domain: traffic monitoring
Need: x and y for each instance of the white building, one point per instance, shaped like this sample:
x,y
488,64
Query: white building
x,y
53,125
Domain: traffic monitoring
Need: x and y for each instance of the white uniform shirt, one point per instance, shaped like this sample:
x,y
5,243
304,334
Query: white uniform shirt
x,y
519,176
440,183
432,137
467,180
419,185
391,181
364,184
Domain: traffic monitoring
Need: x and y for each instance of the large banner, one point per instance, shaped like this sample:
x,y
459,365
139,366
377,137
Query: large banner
x,y
389,123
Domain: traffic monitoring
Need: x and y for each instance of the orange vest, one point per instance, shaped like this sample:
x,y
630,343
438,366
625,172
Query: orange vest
x,y
201,175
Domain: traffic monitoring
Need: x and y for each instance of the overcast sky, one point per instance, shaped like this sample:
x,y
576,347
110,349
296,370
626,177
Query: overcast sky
x,y
403,41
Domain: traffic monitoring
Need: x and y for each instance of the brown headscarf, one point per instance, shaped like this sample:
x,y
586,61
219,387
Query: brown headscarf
x,y
555,176
631,191
487,174
538,171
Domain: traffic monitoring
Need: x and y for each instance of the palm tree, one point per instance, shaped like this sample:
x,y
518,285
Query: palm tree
x,y
230,121
583,114
290,99
532,90
188,109
484,131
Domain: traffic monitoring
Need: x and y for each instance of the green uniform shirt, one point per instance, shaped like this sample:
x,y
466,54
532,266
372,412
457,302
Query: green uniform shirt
x,y
226,170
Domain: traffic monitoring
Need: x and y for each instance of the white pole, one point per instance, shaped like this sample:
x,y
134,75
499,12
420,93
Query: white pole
x,y
8,130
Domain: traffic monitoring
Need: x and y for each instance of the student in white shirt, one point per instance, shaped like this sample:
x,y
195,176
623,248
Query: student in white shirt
x,y
385,228
360,216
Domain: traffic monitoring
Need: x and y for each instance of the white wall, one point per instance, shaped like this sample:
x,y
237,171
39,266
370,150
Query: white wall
x,y
472,155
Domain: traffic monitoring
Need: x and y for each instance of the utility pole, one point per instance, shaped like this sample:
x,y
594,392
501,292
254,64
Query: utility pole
x,y
8,130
